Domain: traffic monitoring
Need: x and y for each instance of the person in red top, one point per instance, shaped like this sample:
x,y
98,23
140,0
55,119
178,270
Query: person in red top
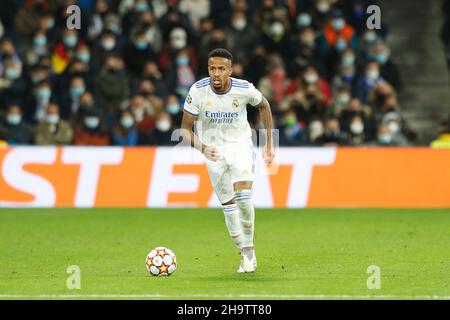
x,y
308,84
90,131
337,35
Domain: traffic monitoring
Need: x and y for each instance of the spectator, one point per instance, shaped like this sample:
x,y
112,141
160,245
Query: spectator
x,y
15,130
368,81
332,136
125,132
52,130
385,138
65,50
443,140
91,130
111,85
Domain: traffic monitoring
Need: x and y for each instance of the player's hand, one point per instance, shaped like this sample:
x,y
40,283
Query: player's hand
x,y
268,154
210,153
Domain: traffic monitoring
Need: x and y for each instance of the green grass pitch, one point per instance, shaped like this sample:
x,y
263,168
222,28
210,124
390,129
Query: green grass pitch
x,y
302,254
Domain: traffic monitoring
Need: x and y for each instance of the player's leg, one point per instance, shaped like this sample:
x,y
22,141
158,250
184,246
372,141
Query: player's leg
x,y
221,181
243,197
242,172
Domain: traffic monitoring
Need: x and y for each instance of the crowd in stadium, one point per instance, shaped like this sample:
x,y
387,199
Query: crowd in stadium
x,y
122,78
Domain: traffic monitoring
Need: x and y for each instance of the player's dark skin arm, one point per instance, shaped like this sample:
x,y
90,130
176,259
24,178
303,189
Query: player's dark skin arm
x,y
190,138
266,117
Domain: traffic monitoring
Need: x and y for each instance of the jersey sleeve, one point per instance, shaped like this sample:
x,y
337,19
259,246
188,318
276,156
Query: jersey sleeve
x,y
255,96
192,102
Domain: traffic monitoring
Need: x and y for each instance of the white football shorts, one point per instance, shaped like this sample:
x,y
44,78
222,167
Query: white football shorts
x,y
233,165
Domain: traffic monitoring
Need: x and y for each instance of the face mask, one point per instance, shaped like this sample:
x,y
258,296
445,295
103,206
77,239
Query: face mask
x,y
127,122
141,45
40,41
290,122
311,78
163,125
172,108
139,114
239,24
382,58
84,57
323,7
141,7
11,73
304,20
357,127
77,91
340,45
385,138
52,118
115,28
315,129
308,41
343,99
372,74
277,29
348,60
91,122
13,119
70,41
43,94
50,23
182,60
108,44
338,24
370,37
347,78
394,127
179,43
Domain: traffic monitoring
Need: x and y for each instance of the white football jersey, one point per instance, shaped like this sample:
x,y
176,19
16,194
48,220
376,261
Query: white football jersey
x,y
222,118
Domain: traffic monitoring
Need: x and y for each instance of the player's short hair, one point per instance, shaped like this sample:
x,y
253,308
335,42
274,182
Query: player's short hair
x,y
220,52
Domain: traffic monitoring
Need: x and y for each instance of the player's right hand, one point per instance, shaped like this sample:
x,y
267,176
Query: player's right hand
x,y
210,153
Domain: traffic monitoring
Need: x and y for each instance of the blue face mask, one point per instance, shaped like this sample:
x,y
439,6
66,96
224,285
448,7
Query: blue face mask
x,y
70,41
182,61
304,20
141,7
84,57
340,45
338,24
91,122
40,41
44,93
77,91
12,73
141,45
13,119
382,58
172,109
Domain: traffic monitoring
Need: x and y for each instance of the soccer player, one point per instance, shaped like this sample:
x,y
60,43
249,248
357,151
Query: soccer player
x,y
219,105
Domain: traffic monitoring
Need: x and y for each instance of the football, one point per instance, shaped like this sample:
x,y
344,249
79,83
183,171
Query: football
x,y
161,261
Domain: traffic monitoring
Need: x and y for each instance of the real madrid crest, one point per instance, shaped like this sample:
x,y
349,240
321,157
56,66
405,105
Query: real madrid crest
x,y
235,103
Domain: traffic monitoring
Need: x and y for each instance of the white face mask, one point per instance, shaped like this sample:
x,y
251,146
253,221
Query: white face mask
x,y
13,119
127,122
343,99
239,24
357,127
91,122
178,43
52,118
323,7
163,125
394,127
315,129
311,78
277,29
372,74
108,44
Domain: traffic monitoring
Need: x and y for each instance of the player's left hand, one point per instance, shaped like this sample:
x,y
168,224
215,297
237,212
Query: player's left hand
x,y
268,154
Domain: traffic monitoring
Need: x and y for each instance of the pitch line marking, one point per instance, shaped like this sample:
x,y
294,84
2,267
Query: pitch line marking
x,y
231,296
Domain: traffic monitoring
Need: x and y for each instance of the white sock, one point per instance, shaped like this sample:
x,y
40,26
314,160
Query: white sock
x,y
247,216
233,223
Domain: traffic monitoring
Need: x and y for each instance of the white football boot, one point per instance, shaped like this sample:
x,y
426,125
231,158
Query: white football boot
x,y
248,261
